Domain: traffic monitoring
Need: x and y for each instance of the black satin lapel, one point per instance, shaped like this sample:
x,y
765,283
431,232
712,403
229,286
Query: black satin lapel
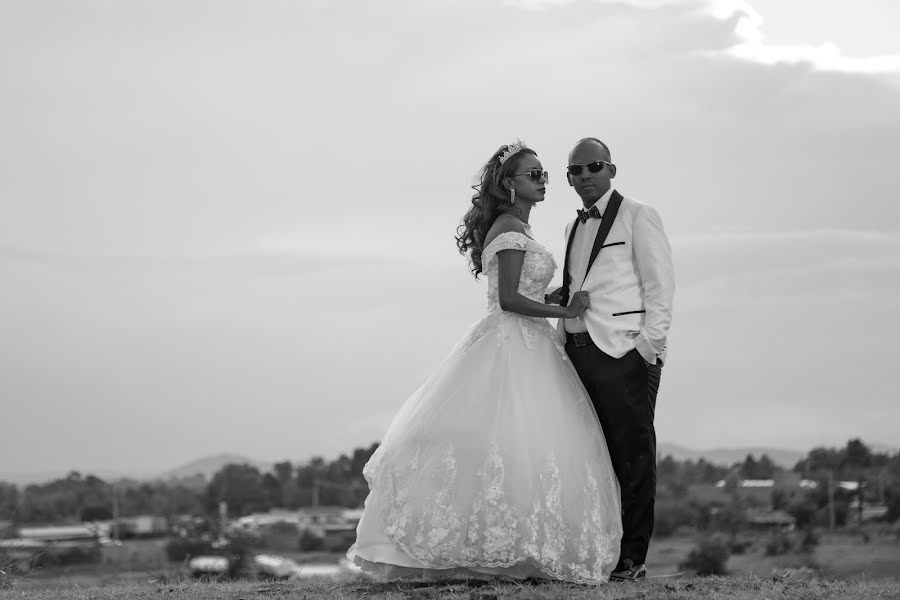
x,y
566,277
609,215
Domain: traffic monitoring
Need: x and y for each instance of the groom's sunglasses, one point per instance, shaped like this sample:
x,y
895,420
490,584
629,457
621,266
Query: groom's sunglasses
x,y
535,174
593,167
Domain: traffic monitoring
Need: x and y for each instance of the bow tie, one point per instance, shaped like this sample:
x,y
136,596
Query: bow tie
x,y
592,213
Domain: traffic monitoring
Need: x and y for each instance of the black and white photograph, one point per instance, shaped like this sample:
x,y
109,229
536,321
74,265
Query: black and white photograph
x,y
494,299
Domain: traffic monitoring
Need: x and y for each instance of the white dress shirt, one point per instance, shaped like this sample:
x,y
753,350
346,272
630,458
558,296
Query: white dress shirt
x,y
579,255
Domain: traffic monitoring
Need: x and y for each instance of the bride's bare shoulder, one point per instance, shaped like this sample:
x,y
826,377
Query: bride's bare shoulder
x,y
505,223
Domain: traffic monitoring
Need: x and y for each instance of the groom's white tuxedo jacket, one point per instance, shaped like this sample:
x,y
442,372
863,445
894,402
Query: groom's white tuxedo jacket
x,y
631,283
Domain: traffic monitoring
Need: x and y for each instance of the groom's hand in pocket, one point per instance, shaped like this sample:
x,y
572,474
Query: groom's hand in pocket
x,y
554,297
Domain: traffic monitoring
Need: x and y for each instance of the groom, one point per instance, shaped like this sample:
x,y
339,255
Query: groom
x,y
617,251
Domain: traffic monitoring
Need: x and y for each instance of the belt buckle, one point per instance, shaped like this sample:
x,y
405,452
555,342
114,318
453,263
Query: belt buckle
x,y
580,339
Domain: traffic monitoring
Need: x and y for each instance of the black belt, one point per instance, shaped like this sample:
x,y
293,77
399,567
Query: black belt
x,y
580,340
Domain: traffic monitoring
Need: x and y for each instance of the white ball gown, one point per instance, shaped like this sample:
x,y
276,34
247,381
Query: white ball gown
x,y
497,465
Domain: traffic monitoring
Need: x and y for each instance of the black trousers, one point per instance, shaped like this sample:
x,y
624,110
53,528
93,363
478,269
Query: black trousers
x,y
623,391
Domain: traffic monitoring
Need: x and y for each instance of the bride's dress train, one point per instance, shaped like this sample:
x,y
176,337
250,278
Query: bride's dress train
x,y
497,465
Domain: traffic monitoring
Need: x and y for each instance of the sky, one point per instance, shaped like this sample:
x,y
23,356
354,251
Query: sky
x,y
228,226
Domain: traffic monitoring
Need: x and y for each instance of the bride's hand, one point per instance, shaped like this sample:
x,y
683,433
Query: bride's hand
x,y
554,297
579,303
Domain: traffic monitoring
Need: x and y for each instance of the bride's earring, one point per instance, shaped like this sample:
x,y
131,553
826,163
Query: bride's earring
x,y
512,195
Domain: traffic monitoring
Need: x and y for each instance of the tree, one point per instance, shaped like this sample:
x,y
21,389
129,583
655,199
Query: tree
x,y
9,501
284,473
710,473
803,509
857,455
308,474
748,468
271,489
763,468
360,457
819,460
732,484
185,500
708,557
766,468
892,496
238,485
670,514
667,469
62,499
780,499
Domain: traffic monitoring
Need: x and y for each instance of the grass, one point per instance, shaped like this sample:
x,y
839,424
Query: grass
x,y
839,556
711,588
842,566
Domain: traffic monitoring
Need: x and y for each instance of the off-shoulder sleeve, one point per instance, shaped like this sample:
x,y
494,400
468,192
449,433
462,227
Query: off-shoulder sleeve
x,y
509,240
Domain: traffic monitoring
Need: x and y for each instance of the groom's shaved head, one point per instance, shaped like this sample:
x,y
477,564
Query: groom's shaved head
x,y
590,183
593,142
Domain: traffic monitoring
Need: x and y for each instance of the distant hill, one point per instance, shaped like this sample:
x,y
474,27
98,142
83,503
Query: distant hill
x,y
206,467
209,465
782,457
23,478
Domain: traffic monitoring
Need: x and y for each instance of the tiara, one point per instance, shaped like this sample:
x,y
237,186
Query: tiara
x,y
511,149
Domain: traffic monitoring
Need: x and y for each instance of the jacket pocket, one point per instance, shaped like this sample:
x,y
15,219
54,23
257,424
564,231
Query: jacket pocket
x,y
628,312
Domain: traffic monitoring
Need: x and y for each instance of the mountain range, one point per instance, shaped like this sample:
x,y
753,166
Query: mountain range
x,y
209,465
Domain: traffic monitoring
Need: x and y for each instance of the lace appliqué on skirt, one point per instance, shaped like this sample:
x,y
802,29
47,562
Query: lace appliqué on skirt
x,y
442,530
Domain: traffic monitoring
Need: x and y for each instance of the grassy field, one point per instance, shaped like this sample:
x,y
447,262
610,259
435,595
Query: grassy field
x,y
712,588
838,556
842,566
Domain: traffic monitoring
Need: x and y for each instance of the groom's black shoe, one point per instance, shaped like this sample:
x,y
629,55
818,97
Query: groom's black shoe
x,y
628,571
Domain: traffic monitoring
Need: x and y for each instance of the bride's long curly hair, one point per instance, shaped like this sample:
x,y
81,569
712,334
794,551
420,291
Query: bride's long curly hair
x,y
491,199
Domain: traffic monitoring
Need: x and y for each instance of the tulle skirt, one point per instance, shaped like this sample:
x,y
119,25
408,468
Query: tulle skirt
x,y
497,465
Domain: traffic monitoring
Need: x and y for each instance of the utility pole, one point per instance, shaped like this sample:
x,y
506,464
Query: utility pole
x,y
223,520
859,495
115,511
831,500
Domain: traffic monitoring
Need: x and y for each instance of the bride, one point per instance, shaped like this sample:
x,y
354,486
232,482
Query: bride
x,y
497,465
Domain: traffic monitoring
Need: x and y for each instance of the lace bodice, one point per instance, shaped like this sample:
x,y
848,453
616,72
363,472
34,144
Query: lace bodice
x,y
537,269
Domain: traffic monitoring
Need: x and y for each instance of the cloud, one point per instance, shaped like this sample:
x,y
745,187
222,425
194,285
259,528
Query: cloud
x,y
752,43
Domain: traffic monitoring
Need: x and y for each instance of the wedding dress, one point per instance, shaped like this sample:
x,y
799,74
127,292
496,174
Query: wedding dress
x,y
497,465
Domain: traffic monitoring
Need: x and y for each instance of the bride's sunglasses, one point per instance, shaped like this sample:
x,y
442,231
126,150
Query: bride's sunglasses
x,y
535,174
593,167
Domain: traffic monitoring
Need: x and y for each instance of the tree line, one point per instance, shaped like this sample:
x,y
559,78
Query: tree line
x,y
876,477
339,482
245,489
